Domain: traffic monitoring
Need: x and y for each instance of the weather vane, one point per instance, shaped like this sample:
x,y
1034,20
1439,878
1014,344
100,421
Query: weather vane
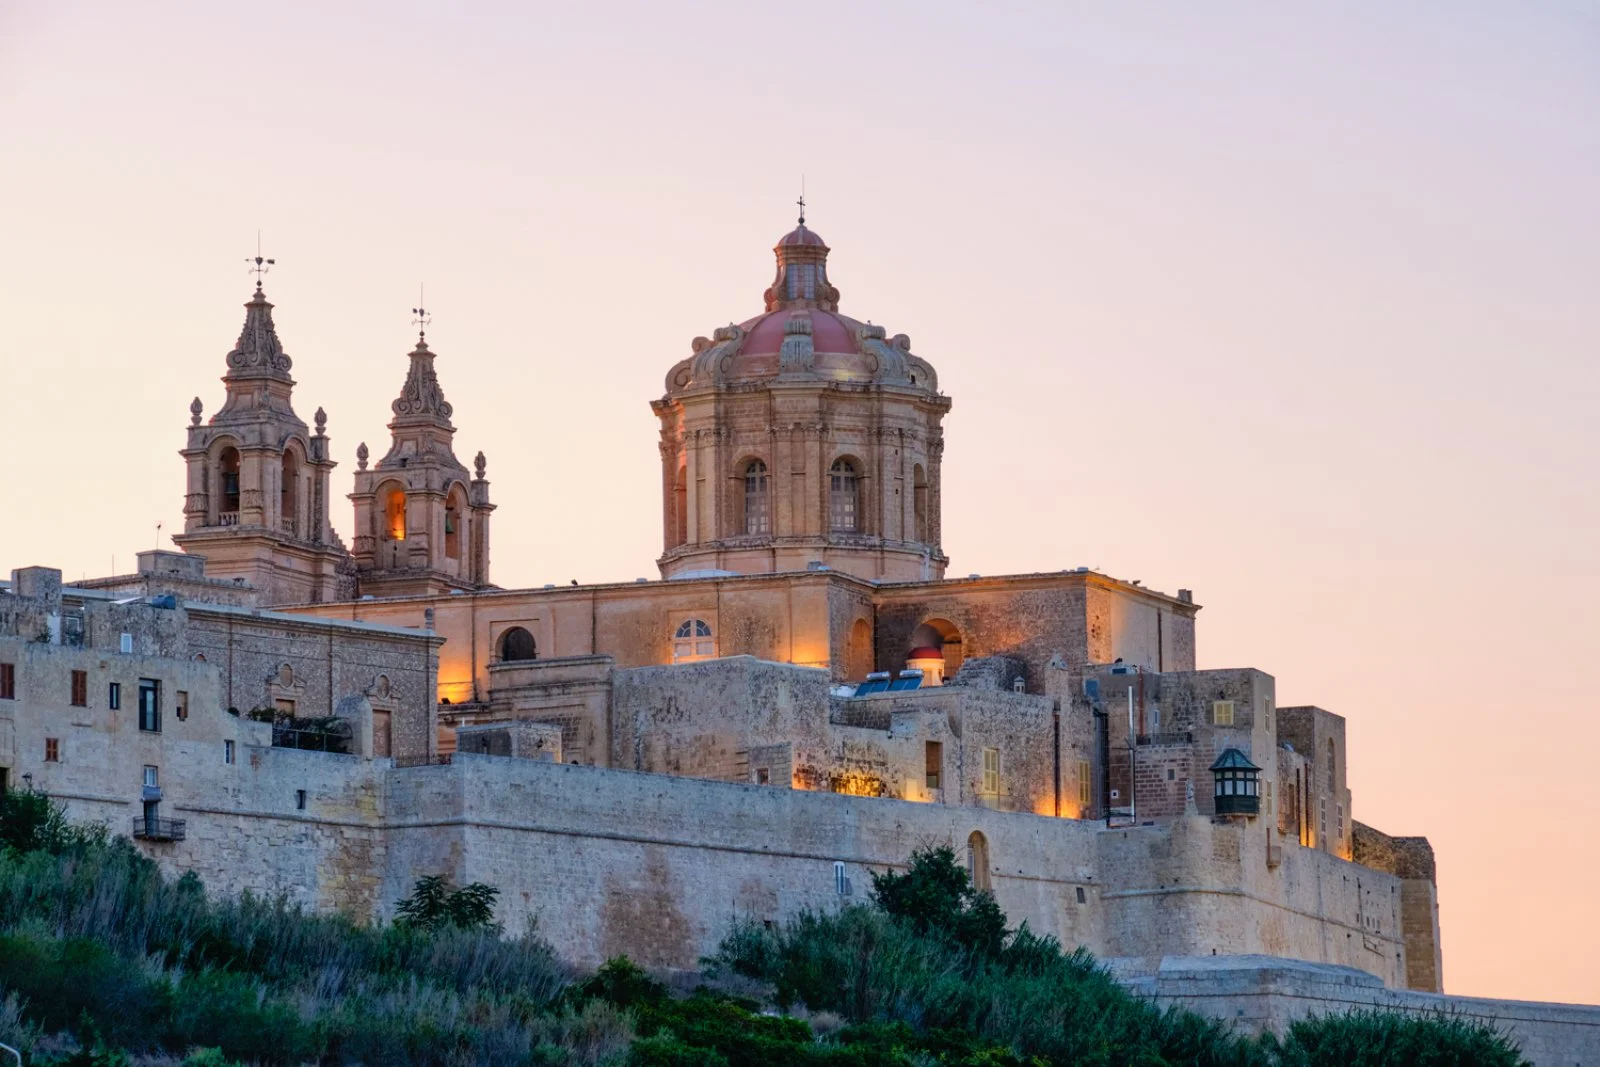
x,y
420,317
261,266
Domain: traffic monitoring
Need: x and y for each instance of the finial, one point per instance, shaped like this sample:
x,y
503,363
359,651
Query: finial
x,y
802,200
420,317
321,419
195,409
479,463
361,456
261,265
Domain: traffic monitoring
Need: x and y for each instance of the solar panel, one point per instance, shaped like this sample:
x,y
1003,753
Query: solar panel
x,y
877,682
907,680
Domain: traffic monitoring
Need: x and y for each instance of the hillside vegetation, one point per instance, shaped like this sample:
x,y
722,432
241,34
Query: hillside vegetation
x,y
104,962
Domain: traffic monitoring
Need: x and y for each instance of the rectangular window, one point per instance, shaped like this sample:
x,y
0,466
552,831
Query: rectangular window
x,y
991,771
80,689
763,776
933,764
52,750
8,681
1269,799
149,704
1082,899
1085,784
1266,713
1339,825
114,696
127,644
180,705
152,777
1222,713
300,799
285,707
1322,819
227,752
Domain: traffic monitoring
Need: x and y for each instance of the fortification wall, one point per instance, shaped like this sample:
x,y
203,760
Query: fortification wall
x,y
1260,993
656,867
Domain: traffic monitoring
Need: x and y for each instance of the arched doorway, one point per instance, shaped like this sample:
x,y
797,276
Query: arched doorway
x,y
517,644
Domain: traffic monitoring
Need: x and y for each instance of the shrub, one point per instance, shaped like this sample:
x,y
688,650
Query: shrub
x,y
432,904
1378,1039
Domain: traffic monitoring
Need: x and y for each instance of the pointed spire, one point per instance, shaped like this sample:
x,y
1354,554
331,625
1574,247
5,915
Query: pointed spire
x,y
422,398
258,353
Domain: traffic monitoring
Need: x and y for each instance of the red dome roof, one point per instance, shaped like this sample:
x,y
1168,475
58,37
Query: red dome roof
x,y
802,236
925,652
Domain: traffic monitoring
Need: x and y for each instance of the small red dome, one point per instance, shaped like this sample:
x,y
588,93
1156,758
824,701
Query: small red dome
x,y
925,652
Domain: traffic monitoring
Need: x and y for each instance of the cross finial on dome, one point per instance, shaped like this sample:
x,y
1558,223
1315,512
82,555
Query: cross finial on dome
x,y
802,201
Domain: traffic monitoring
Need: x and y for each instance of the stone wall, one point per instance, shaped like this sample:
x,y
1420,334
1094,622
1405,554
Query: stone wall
x,y
655,866
1411,860
1258,993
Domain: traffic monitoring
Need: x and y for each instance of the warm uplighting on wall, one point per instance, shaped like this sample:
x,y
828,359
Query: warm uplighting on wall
x,y
853,784
395,515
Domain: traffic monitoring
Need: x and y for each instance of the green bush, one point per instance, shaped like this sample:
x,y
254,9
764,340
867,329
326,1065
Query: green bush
x,y
1377,1039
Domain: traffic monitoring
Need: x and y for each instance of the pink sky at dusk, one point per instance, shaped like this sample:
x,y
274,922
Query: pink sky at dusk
x,y
1299,309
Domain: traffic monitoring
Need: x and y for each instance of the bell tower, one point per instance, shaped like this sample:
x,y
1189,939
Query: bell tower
x,y
422,522
257,502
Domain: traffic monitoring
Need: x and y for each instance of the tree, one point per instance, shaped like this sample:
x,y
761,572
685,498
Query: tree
x,y
936,895
433,904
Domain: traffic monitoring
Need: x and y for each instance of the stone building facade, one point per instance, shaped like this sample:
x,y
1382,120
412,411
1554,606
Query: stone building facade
x,y
801,699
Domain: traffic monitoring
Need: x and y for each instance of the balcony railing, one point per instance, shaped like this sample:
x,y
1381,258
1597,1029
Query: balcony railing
x,y
227,518
158,829
323,740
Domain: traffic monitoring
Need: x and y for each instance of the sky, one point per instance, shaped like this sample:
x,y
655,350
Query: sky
x,y
1293,307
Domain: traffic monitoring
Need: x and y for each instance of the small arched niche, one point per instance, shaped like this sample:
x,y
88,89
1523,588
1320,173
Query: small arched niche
x,y
935,650
978,860
517,644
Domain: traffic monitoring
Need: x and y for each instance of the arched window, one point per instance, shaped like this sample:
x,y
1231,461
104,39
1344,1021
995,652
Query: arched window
x,y
517,644
757,506
289,493
919,494
844,497
452,525
394,514
692,641
680,506
228,489
978,861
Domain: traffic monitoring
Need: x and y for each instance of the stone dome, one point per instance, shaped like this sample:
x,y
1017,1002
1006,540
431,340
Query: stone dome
x,y
802,335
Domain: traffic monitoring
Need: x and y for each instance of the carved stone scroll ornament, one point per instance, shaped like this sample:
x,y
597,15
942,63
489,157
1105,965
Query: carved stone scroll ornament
x,y
422,394
711,360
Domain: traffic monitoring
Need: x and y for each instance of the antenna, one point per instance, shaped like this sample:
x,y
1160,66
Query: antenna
x,y
261,265
420,317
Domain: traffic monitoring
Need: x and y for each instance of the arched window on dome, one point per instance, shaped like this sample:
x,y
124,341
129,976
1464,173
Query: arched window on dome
x,y
757,501
517,644
289,493
692,641
228,487
844,497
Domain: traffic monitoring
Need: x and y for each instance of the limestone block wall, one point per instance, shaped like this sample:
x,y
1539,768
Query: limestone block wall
x,y
246,828
1204,885
656,867
1411,860
267,658
1258,993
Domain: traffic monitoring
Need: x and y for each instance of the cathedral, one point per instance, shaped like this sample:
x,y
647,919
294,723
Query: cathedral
x,y
801,698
